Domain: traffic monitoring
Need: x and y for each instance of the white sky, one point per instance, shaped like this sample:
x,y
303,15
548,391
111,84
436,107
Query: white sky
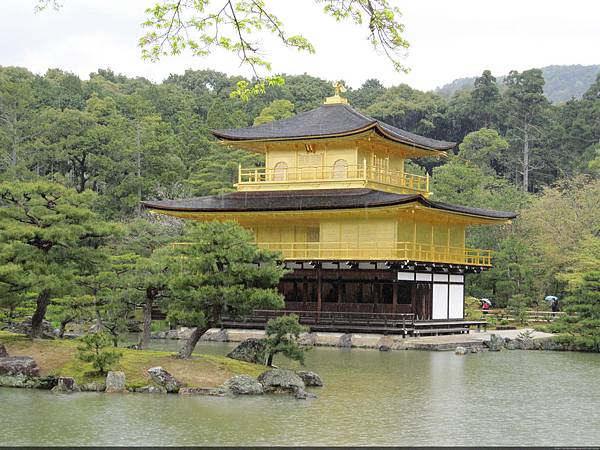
x,y
449,39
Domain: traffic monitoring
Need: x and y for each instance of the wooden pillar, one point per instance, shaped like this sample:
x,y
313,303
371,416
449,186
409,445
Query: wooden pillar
x,y
374,292
394,295
304,292
340,287
413,298
319,289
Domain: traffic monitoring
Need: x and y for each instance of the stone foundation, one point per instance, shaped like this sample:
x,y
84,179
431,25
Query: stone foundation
x,y
473,341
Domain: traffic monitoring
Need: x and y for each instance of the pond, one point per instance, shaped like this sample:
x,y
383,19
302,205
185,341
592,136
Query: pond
x,y
370,398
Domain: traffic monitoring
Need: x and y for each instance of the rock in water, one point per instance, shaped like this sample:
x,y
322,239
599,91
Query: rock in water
x,y
250,350
163,378
526,343
301,394
94,386
281,380
345,341
307,339
495,344
3,352
310,378
151,390
212,392
220,335
460,351
66,384
19,365
19,371
385,343
115,382
243,385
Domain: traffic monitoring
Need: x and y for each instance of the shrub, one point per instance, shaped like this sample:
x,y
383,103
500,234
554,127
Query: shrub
x,y
282,337
491,320
472,308
93,349
517,307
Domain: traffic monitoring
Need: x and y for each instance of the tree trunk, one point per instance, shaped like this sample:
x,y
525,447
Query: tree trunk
x,y
99,324
63,325
138,141
147,327
270,359
190,344
525,157
43,300
13,156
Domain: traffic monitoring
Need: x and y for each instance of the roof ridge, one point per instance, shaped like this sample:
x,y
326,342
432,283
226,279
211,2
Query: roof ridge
x,y
359,114
303,113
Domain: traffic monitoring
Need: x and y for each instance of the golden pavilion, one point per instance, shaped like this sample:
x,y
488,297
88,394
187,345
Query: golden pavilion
x,y
367,246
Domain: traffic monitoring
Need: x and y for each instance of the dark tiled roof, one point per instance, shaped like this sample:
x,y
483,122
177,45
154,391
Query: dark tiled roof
x,y
328,120
317,199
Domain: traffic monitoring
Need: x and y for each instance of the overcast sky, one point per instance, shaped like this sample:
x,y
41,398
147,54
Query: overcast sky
x,y
449,39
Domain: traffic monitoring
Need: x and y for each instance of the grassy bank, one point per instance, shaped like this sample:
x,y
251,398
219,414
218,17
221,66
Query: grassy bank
x,y
59,358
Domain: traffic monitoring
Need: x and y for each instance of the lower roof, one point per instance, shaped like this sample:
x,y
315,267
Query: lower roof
x,y
312,200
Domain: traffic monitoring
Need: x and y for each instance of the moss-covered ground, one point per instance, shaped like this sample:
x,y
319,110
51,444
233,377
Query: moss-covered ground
x,y
59,358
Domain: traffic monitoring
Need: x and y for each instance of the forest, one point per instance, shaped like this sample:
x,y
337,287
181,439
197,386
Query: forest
x,y
108,142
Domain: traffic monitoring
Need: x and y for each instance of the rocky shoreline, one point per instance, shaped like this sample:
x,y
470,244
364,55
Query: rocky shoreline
x,y
24,372
474,342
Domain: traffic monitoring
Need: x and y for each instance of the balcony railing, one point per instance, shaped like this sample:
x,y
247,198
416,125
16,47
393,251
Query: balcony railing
x,y
344,173
380,251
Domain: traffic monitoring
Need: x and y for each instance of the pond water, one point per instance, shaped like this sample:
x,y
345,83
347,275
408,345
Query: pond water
x,y
370,398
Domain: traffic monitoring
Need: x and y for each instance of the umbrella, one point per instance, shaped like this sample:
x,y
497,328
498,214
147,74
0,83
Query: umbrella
x,y
551,298
485,300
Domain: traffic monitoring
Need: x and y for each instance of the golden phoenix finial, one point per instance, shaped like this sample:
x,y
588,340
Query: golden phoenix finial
x,y
339,88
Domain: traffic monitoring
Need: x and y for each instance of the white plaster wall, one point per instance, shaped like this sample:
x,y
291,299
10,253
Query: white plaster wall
x,y
456,301
440,301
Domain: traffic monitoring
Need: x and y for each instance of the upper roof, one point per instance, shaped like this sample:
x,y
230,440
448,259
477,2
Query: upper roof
x,y
317,199
328,120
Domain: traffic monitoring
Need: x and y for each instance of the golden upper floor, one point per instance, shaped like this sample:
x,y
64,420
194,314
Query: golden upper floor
x,y
331,147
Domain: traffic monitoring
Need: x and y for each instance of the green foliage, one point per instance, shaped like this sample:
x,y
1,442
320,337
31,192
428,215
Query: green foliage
x,y
68,309
201,27
277,109
472,308
486,150
563,83
129,139
282,334
485,97
525,334
581,324
49,239
517,307
93,350
491,320
219,271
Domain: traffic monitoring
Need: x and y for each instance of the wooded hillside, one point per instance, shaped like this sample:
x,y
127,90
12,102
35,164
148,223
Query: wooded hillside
x,y
124,140
562,82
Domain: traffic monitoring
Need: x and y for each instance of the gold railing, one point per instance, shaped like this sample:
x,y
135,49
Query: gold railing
x,y
380,251
358,172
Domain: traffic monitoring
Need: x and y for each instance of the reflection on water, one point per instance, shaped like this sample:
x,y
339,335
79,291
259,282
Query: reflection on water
x,y
370,398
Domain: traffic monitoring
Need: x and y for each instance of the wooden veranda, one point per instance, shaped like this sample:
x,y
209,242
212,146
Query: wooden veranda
x,y
404,324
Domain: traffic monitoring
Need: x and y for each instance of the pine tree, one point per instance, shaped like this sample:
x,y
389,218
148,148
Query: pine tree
x,y
283,334
50,236
220,272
